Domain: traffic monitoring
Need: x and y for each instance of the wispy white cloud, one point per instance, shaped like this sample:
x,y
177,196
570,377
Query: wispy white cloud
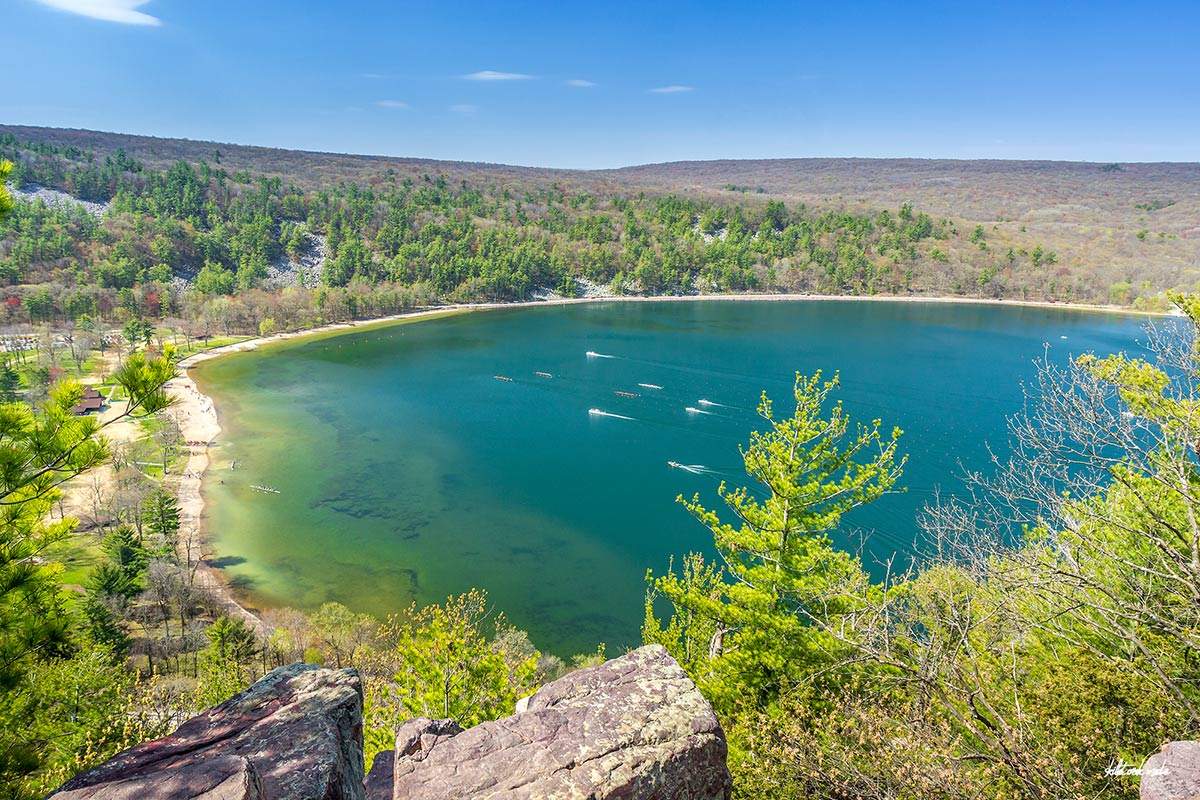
x,y
123,11
582,84
673,89
492,75
391,104
464,108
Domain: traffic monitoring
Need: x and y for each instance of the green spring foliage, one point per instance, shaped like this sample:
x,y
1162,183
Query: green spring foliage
x,y
779,572
39,450
457,660
6,201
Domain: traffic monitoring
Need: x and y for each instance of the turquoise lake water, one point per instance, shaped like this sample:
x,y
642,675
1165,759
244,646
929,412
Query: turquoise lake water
x,y
407,471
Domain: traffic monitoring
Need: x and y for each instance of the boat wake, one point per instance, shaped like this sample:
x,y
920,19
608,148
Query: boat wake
x,y
650,386
595,412
692,410
716,405
594,354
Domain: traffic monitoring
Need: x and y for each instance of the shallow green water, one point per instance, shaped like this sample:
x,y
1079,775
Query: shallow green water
x,y
406,471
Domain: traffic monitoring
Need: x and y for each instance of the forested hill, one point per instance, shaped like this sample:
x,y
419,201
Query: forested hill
x,y
1127,222
250,238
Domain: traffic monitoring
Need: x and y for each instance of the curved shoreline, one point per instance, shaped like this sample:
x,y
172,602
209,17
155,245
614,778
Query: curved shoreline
x,y
196,415
198,421
199,426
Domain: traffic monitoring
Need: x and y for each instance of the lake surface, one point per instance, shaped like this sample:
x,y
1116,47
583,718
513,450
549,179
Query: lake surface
x,y
407,471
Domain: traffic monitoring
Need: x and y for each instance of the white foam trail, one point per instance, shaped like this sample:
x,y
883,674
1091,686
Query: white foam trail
x,y
649,385
595,412
717,405
594,354
695,469
691,410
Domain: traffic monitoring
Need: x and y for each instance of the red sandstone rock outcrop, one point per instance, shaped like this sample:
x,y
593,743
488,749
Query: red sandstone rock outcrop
x,y
635,728
297,733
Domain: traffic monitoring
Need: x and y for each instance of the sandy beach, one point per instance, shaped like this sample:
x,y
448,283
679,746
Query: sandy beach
x,y
197,415
197,419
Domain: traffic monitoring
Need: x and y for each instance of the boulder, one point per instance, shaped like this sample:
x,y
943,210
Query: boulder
x,y
294,735
1172,773
634,728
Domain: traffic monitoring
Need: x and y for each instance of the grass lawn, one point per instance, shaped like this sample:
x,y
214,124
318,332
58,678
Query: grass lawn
x,y
77,553
212,343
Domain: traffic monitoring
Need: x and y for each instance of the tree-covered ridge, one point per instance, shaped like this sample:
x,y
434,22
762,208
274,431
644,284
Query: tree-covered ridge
x,y
172,240
502,245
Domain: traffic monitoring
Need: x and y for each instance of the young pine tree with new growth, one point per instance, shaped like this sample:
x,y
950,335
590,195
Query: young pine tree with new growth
x,y
745,628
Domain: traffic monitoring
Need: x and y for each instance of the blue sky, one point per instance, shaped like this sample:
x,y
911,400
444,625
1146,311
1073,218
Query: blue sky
x,y
605,84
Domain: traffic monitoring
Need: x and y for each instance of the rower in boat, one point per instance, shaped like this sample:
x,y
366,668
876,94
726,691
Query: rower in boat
x,y
502,378
673,464
543,374
625,394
